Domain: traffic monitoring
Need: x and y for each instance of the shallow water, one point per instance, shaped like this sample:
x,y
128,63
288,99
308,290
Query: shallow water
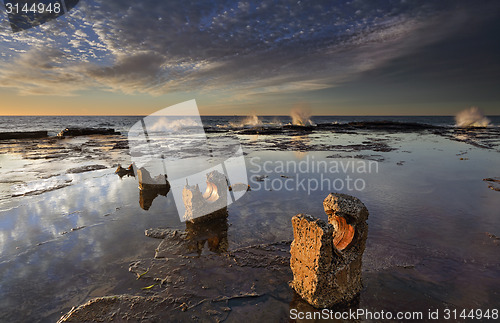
x,y
428,246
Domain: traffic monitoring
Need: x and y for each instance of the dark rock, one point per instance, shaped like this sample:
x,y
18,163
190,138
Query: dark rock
x,y
261,131
291,130
23,135
494,188
492,236
392,125
489,179
493,181
299,127
121,145
119,308
50,188
157,233
72,132
239,187
209,129
174,243
260,178
206,285
83,169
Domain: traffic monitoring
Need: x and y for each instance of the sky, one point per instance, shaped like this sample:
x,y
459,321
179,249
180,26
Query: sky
x,y
359,57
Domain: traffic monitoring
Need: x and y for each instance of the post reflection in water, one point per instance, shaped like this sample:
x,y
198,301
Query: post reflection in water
x,y
149,193
211,233
208,231
149,188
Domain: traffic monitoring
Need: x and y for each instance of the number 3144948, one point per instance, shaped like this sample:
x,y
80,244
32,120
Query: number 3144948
x,y
16,8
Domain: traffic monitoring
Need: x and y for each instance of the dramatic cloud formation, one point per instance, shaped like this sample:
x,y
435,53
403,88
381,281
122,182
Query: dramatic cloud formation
x,y
246,47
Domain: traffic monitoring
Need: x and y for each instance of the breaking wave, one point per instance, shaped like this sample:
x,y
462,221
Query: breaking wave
x,y
301,116
471,117
250,121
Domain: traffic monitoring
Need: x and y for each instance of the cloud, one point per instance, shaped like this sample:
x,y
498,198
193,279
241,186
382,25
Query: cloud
x,y
131,73
42,71
247,47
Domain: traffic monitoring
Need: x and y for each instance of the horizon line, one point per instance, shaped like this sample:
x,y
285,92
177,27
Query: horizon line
x,y
241,115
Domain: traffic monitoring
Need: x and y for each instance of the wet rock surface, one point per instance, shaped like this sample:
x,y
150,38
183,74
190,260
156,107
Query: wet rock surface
x,y
326,257
206,288
387,126
76,149
403,259
86,168
195,276
73,132
26,190
493,183
157,233
480,137
23,135
239,187
119,308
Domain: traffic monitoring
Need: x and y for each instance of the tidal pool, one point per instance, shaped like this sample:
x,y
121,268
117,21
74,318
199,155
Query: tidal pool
x,y
432,241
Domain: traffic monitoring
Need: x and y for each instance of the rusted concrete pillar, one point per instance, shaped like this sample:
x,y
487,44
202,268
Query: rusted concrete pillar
x,y
326,257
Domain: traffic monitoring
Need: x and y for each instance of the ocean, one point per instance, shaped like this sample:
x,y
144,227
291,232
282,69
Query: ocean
x,y
72,230
54,124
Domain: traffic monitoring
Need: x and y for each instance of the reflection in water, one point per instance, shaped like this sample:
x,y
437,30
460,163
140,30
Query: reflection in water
x,y
402,247
201,237
299,144
210,229
207,214
120,171
147,195
45,271
211,233
149,188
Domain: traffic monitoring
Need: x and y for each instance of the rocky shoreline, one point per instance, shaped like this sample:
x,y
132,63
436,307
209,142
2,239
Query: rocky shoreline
x,y
182,282
67,132
23,135
180,287
194,274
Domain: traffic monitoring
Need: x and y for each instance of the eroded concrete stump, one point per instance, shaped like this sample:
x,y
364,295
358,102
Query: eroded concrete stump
x,y
209,205
150,188
326,257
